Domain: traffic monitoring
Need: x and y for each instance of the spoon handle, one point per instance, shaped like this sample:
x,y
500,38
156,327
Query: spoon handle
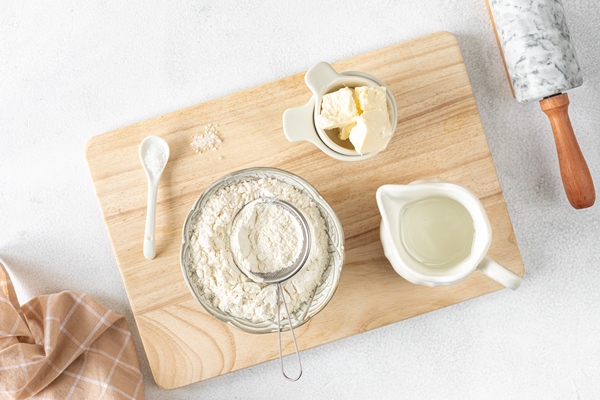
x,y
149,240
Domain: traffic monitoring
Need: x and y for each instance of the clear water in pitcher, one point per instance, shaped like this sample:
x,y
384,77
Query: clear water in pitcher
x,y
437,232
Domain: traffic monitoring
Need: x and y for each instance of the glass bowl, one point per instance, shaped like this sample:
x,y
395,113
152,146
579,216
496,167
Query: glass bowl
x,y
322,294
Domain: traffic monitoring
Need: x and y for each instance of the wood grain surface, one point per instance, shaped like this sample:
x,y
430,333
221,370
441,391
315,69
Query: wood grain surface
x,y
439,134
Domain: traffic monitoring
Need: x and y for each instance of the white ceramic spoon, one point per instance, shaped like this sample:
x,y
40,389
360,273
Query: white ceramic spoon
x,y
154,154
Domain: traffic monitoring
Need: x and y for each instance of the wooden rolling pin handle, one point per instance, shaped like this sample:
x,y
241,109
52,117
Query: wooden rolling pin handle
x,y
573,168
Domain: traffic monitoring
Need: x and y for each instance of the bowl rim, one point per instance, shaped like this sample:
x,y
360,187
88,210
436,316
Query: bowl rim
x,y
241,323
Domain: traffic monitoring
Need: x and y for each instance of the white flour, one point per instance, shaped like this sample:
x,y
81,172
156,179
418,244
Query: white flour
x,y
218,276
265,238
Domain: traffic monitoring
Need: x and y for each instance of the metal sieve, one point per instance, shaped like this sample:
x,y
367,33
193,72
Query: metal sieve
x,y
282,274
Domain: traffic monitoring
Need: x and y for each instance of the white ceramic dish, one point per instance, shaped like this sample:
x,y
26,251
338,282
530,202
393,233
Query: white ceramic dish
x,y
299,122
323,292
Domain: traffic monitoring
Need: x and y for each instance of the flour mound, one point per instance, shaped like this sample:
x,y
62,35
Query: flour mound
x,y
265,238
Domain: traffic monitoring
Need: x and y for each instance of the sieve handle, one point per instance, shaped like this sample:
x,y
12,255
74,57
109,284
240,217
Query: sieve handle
x,y
280,294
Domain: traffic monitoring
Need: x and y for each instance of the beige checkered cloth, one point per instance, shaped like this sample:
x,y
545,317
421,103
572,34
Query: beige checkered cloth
x,y
64,346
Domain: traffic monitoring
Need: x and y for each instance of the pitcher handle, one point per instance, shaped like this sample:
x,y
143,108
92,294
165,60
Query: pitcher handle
x,y
500,274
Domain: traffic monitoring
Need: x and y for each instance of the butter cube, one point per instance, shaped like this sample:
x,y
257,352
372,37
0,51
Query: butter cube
x,y
370,98
372,131
338,109
345,131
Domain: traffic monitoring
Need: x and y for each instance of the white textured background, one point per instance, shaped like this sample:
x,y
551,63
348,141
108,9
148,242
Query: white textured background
x,y
70,70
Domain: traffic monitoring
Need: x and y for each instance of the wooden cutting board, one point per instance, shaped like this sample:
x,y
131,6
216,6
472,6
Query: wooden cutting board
x,y
439,134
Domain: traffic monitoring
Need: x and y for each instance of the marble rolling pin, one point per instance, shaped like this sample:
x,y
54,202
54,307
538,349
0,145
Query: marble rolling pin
x,y
541,65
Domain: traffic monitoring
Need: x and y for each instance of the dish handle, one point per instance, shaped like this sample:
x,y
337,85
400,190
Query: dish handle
x,y
320,76
298,125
